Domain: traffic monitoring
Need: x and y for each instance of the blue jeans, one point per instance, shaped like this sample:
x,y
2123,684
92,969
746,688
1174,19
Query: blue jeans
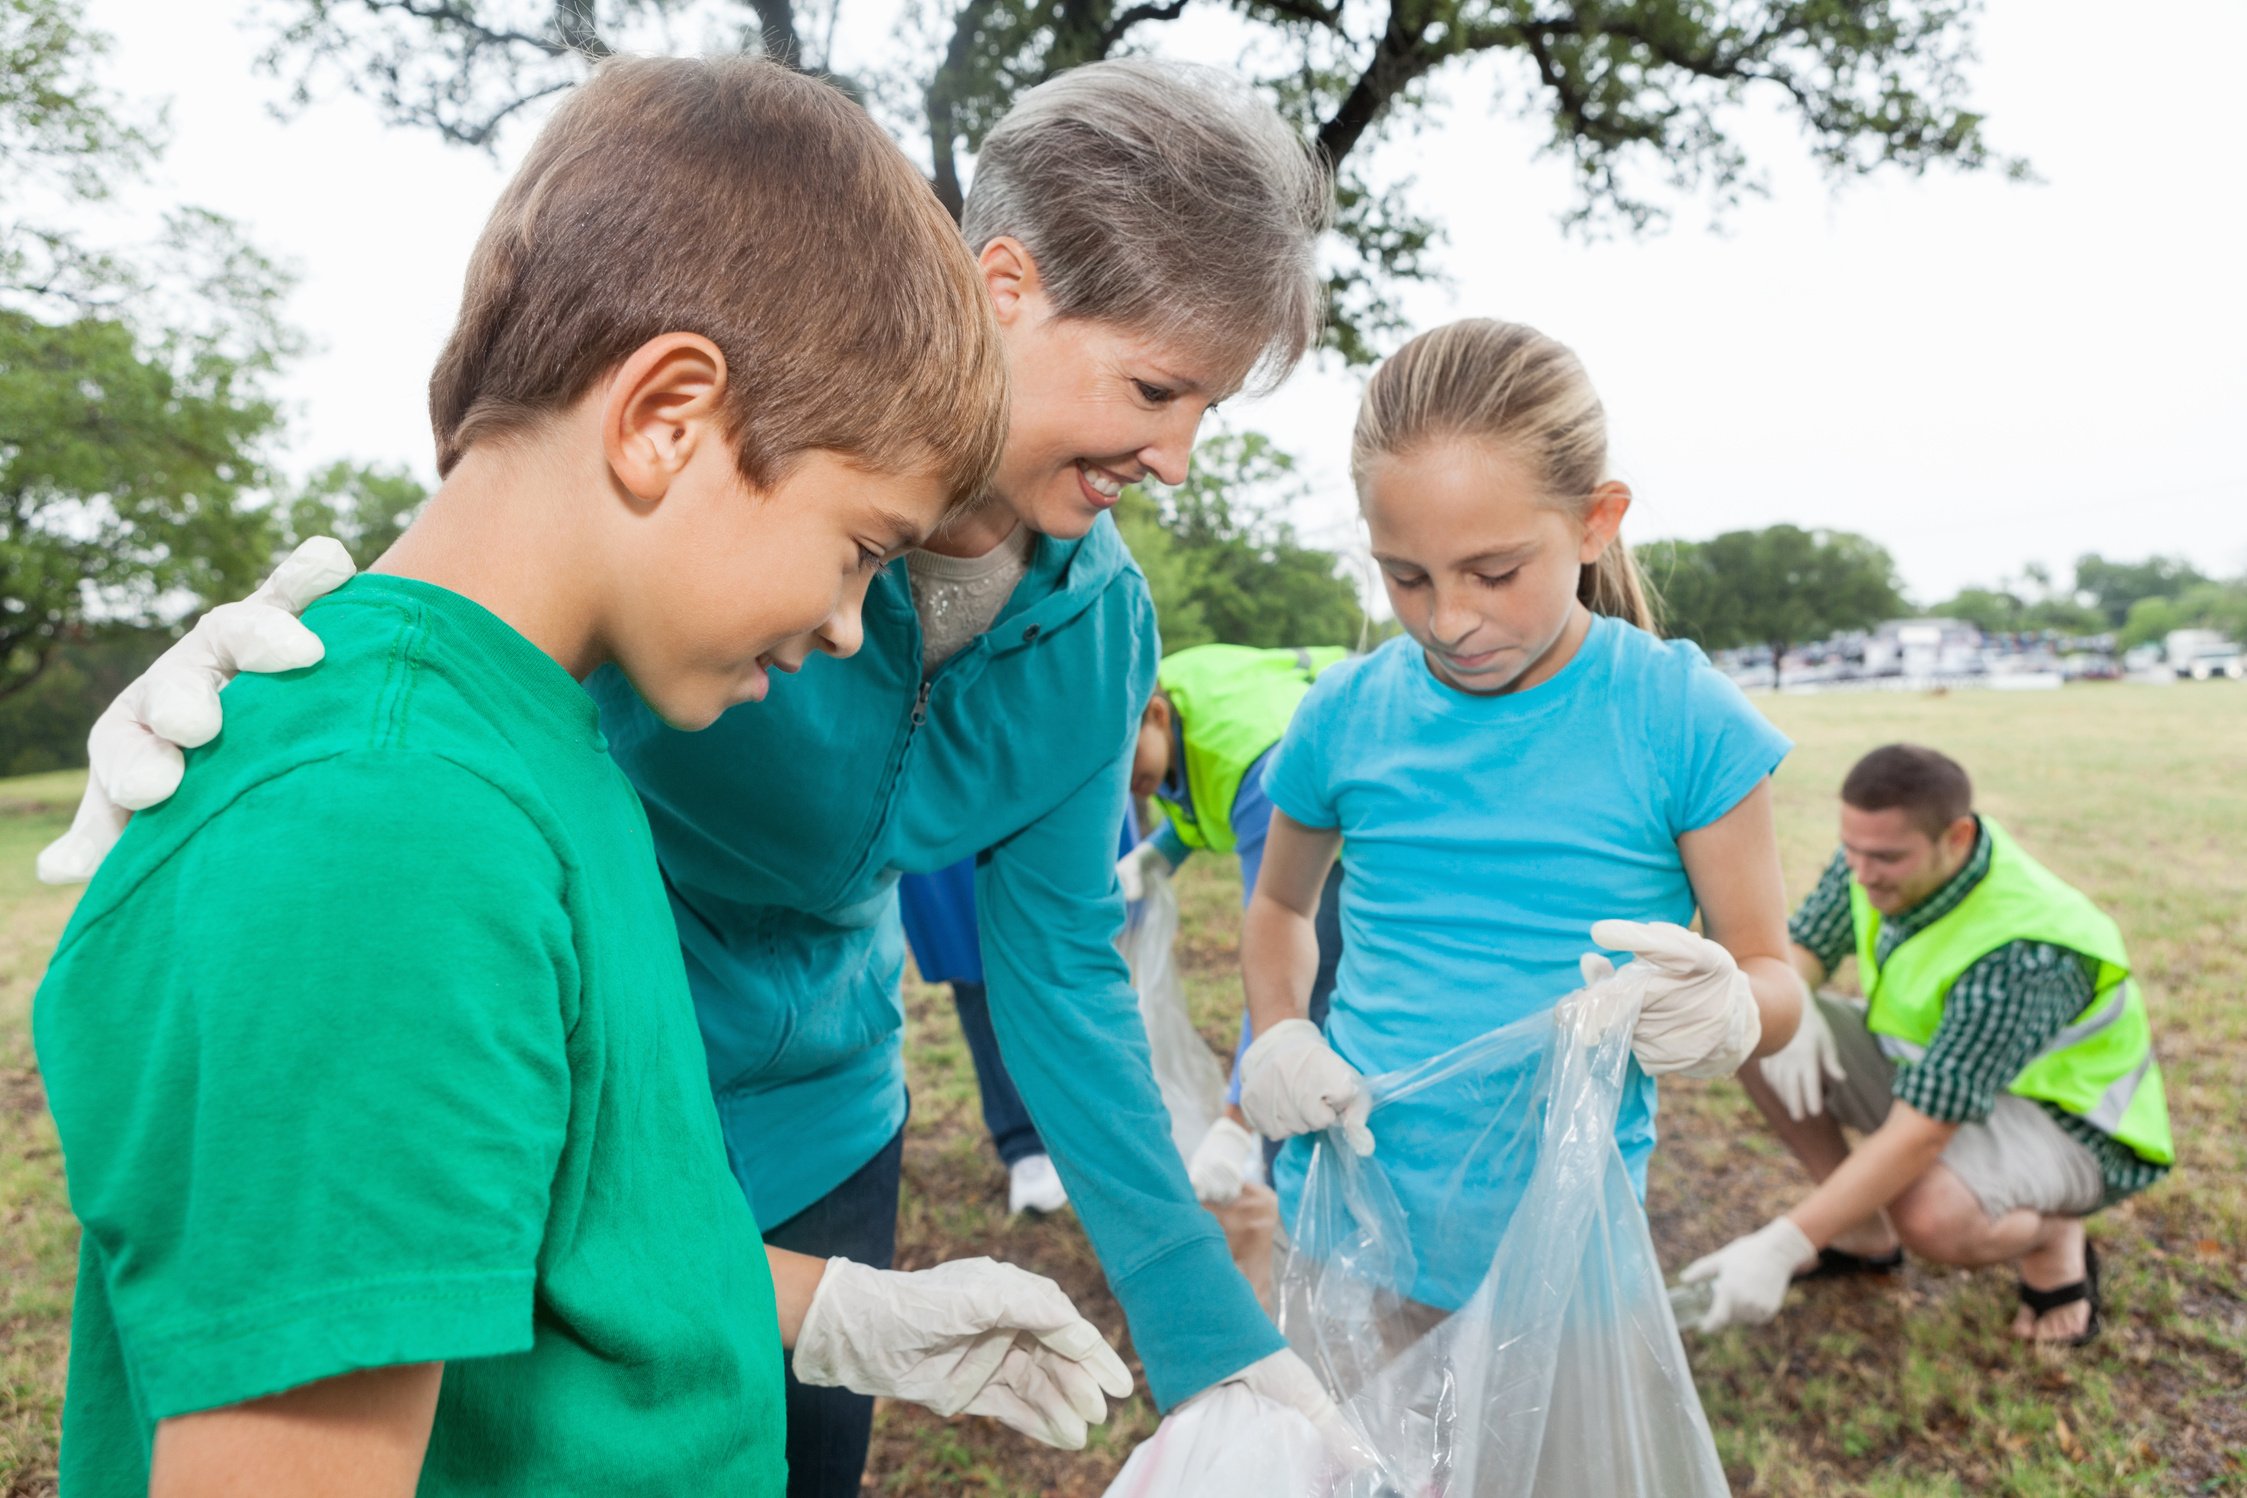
x,y
1012,1133
829,1430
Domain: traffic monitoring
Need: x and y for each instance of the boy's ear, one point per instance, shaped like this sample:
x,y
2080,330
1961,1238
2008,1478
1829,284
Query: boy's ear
x,y
1603,518
1157,715
662,403
1011,276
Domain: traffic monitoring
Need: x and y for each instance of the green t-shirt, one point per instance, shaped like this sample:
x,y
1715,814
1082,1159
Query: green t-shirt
x,y
373,1046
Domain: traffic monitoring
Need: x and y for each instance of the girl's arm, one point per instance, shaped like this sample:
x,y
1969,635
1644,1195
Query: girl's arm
x,y
1279,940
1733,866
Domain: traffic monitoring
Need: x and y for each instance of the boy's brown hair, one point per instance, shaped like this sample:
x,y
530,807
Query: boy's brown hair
x,y
1931,787
763,210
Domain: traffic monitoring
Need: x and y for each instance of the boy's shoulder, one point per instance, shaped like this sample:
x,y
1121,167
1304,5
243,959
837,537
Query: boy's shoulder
x,y
407,727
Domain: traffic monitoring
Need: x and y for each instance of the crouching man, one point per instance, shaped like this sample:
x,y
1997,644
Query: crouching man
x,y
2000,1068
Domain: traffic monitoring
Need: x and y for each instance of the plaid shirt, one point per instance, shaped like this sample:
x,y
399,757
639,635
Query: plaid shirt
x,y
2002,1011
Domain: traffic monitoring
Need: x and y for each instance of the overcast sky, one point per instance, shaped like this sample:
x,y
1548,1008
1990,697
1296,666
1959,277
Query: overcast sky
x,y
1977,374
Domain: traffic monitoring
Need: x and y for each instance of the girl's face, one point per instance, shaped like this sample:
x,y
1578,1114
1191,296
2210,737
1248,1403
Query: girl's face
x,y
1480,565
1095,406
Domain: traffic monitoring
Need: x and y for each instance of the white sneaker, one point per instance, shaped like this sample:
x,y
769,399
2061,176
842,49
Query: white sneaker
x,y
1033,1185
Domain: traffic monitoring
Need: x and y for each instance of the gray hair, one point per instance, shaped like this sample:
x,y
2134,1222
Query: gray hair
x,y
1165,197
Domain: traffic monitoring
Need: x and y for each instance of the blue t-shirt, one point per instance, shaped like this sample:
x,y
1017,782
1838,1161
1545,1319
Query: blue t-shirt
x,y
1486,834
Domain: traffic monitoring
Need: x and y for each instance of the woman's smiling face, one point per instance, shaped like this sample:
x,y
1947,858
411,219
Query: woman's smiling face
x,y
1095,406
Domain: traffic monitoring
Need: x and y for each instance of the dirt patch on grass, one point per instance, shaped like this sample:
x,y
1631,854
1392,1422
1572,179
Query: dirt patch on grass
x,y
22,1094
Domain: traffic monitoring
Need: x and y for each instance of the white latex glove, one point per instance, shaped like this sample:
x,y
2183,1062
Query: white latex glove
x,y
1699,1016
1228,1158
1141,869
1293,1083
1750,1275
1799,1070
970,1335
134,749
1286,1379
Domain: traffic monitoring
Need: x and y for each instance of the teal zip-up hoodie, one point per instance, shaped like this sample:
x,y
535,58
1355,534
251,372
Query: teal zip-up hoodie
x,y
782,830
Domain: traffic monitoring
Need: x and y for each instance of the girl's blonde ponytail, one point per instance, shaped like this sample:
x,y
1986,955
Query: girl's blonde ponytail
x,y
1615,586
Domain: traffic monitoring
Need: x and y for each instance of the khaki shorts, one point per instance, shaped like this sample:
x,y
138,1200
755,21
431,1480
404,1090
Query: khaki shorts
x,y
2017,1157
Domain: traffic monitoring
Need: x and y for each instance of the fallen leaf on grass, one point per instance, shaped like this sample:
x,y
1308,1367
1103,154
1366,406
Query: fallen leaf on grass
x,y
2070,1447
2208,1248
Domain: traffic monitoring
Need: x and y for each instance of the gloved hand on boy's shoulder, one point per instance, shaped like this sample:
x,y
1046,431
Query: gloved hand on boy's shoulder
x,y
133,754
972,1336
1292,1082
1699,1016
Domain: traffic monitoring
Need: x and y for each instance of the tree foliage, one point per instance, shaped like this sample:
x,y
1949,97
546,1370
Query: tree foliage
x,y
2218,606
134,377
2114,587
1779,586
366,506
1223,566
2022,608
43,724
1643,98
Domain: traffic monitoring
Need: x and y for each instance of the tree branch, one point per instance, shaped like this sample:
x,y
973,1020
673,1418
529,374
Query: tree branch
x,y
1398,58
1113,33
776,22
1299,10
943,133
580,31
41,659
449,15
480,135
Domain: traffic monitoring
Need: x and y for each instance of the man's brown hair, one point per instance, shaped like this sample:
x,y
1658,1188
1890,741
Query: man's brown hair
x,y
763,210
1932,787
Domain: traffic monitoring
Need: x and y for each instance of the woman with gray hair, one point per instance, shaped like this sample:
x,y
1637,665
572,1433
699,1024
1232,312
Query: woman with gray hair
x,y
1147,232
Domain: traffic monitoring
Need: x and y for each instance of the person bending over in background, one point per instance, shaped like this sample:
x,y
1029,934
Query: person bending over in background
x,y
1217,713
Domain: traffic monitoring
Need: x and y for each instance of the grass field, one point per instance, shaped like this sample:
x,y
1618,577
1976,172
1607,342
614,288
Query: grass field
x,y
2138,794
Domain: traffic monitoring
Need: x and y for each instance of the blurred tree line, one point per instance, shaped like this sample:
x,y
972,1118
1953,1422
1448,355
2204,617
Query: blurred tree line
x,y
2136,602
1785,586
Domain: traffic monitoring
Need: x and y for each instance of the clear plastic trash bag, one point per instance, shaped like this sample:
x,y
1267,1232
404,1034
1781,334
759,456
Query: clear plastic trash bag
x,y
1191,1077
1562,1372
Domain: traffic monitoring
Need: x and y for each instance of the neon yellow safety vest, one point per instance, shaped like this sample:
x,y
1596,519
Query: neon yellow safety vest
x,y
1230,703
2100,1068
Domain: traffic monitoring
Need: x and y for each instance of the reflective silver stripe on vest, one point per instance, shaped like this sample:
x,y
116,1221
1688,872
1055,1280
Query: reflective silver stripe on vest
x,y
1897,1049
2107,1117
2100,1018
2103,1017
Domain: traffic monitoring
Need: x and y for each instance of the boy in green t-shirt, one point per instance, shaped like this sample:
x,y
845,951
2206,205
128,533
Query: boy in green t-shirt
x,y
372,1054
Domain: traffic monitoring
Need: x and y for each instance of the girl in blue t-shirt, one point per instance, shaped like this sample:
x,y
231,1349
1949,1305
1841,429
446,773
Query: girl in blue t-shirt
x,y
1527,773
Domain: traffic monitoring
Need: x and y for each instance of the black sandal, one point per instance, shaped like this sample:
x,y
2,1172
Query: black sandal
x,y
2043,1302
1839,1263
